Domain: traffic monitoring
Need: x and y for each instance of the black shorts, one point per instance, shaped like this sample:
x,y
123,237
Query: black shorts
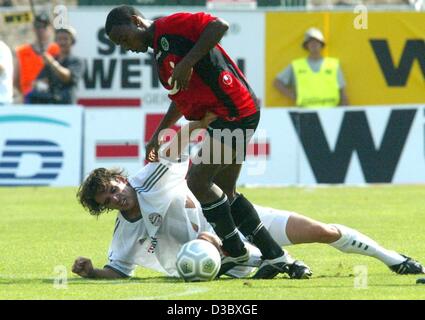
x,y
236,134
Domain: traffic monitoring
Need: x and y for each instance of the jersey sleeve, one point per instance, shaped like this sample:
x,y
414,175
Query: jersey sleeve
x,y
189,24
201,20
123,268
159,176
122,253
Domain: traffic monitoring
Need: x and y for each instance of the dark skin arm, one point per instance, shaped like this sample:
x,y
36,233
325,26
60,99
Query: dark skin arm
x,y
170,118
182,138
209,38
84,268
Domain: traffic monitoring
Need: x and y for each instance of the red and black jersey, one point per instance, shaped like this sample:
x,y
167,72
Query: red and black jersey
x,y
216,84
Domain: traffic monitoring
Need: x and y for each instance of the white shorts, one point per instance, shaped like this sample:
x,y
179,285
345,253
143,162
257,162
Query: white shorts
x,y
275,221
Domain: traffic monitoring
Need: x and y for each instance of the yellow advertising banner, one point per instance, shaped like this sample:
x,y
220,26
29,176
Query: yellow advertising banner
x,y
18,17
382,54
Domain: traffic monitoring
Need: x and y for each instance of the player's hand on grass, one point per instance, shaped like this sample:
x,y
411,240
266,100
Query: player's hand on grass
x,y
83,267
181,75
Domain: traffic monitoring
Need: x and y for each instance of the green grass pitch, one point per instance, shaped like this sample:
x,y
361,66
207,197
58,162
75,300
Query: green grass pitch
x,y
43,228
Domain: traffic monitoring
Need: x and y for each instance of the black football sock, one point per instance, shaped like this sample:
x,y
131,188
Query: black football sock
x,y
248,222
218,215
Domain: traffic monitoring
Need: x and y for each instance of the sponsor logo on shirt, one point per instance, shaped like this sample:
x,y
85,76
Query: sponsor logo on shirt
x,y
227,79
164,44
155,219
154,242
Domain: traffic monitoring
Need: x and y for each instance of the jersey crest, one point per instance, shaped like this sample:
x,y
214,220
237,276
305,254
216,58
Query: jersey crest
x,y
164,44
155,219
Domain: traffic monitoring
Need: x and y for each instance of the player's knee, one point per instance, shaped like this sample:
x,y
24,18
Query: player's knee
x,y
324,233
196,185
192,184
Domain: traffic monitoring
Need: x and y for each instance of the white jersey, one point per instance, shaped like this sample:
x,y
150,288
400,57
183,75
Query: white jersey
x,y
153,240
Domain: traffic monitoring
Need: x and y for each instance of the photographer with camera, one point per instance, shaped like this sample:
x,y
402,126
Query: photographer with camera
x,y
57,82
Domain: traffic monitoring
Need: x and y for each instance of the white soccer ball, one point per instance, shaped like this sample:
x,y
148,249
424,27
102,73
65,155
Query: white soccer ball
x,y
198,260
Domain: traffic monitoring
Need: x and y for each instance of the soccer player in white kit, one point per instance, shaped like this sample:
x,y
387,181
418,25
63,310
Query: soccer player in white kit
x,y
158,214
169,216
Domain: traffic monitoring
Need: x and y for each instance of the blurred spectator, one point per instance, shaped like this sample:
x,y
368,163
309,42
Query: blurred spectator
x,y
6,74
314,81
29,61
6,3
57,82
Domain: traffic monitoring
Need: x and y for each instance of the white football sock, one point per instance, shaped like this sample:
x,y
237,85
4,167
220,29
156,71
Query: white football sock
x,y
352,241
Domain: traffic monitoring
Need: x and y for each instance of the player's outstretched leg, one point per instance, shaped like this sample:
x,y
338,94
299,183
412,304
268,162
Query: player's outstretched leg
x,y
352,241
301,229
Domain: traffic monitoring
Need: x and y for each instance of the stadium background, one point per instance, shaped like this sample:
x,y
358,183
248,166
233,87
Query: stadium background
x,y
121,91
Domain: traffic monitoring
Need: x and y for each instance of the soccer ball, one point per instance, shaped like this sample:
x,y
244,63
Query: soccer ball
x,y
198,260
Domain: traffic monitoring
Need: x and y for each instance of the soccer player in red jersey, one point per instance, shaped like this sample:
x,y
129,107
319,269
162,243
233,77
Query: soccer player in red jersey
x,y
202,78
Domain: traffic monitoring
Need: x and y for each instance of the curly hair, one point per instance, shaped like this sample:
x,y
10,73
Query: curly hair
x,y
97,181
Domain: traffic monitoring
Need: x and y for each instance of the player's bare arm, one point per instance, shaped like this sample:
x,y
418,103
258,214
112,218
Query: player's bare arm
x,y
84,268
209,38
180,141
170,118
210,237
